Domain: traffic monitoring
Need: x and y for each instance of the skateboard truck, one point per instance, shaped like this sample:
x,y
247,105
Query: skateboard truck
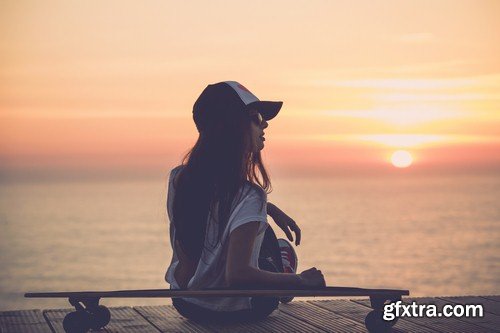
x,y
88,315
81,304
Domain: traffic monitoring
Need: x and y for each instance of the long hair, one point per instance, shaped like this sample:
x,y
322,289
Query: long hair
x,y
213,174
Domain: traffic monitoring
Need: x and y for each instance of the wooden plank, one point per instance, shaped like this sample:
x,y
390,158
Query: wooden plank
x,y
161,317
127,320
357,312
123,319
489,305
23,321
492,297
278,321
282,322
167,320
489,320
443,324
232,327
55,318
321,318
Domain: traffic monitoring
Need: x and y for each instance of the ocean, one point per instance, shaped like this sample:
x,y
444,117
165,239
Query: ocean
x,y
433,235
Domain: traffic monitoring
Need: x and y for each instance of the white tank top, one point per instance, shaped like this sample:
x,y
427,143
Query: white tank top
x,y
210,272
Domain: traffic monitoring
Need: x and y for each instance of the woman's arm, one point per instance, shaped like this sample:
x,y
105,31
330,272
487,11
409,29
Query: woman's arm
x,y
239,273
271,209
285,222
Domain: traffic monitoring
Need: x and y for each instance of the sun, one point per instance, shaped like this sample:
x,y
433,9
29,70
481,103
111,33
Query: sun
x,y
401,159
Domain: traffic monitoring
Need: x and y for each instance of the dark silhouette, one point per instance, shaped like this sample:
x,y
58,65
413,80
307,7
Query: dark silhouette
x,y
217,205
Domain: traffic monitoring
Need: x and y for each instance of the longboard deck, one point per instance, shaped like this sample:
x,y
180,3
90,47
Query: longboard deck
x,y
169,293
89,314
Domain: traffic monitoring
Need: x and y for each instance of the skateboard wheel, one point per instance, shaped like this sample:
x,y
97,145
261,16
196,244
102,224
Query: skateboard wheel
x,y
375,324
99,317
76,322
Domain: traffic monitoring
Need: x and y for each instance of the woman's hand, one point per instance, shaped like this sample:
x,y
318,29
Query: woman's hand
x,y
285,222
312,278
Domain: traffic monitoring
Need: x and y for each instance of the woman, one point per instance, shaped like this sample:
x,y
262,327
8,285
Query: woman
x,y
217,205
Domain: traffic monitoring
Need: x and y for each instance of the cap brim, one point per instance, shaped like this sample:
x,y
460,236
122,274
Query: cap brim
x,y
267,109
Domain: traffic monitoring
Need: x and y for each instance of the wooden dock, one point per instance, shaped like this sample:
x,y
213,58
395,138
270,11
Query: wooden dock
x,y
299,316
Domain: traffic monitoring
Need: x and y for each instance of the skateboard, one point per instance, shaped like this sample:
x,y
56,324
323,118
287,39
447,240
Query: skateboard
x,y
89,314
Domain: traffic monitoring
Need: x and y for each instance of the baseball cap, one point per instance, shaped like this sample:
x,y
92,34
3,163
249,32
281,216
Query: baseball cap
x,y
218,100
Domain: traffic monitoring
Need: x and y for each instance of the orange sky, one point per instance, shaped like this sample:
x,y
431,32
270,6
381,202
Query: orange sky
x,y
109,85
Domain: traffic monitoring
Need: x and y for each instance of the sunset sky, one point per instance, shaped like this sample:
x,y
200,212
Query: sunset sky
x,y
108,86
